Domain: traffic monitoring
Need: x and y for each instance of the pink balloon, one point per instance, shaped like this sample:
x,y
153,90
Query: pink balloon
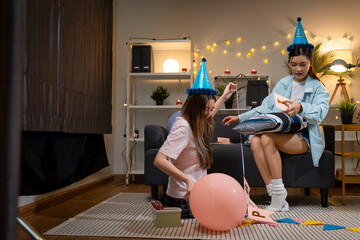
x,y
218,202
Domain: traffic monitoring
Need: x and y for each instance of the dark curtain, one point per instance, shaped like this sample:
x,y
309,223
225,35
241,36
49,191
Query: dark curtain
x,y
66,91
68,66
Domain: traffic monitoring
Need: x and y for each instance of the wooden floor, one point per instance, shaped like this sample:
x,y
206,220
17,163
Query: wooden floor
x,y
51,216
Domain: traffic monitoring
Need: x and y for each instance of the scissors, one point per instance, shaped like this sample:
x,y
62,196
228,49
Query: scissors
x,y
157,204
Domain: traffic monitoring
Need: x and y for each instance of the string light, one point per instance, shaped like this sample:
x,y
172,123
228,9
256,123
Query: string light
x,y
249,51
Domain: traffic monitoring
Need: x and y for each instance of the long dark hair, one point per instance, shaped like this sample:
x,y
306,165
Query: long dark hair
x,y
307,52
193,111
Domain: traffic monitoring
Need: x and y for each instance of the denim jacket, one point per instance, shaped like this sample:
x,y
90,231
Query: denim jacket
x,y
315,107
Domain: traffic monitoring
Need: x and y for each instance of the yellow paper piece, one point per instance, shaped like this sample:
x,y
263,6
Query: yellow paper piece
x,y
311,222
245,223
354,229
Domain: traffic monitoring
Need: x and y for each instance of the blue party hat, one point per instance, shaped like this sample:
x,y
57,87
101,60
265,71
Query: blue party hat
x,y
202,83
300,40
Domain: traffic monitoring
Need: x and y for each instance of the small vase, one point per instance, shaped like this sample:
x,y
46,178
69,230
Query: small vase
x,y
159,102
228,104
346,119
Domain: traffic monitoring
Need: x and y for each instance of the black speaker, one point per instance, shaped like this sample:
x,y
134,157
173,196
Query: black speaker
x,y
141,59
136,58
256,91
146,59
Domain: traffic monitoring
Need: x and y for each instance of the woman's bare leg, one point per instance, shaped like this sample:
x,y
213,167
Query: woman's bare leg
x,y
271,144
259,157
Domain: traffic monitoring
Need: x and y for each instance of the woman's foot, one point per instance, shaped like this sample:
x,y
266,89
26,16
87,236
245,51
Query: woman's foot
x,y
284,208
278,196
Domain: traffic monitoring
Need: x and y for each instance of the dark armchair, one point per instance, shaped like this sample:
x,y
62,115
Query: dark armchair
x,y
154,137
298,170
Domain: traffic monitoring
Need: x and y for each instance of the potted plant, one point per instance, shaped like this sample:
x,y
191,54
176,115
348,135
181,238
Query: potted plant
x,y
159,95
347,110
230,100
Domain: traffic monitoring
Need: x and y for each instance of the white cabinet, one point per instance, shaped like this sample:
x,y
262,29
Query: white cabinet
x,y
141,110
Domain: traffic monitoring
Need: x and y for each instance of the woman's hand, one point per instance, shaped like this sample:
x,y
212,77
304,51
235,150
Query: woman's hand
x,y
294,108
230,119
189,186
230,89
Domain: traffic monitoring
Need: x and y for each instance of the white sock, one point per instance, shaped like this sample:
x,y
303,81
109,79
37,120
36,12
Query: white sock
x,y
268,189
278,196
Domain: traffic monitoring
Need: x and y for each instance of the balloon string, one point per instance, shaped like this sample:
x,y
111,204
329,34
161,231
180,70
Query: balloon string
x,y
241,144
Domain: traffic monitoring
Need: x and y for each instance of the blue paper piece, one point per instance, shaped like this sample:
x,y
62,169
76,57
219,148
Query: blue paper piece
x,y
287,220
332,227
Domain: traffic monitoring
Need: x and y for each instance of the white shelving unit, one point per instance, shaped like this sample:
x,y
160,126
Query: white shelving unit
x,y
140,108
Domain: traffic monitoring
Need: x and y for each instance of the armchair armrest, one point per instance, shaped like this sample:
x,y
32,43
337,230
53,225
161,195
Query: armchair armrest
x,y
154,136
329,133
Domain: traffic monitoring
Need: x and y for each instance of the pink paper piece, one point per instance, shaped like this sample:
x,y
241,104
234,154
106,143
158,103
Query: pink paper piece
x,y
299,220
280,102
271,224
260,214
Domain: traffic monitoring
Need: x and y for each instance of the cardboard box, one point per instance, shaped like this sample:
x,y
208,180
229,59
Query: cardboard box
x,y
168,217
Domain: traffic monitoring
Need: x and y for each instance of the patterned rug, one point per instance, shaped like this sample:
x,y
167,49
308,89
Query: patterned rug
x,y
131,215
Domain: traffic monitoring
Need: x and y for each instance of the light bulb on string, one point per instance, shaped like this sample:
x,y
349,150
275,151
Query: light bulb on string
x,y
212,49
248,54
263,47
252,50
306,32
288,35
266,60
283,51
225,52
208,47
214,44
239,39
276,43
239,54
227,42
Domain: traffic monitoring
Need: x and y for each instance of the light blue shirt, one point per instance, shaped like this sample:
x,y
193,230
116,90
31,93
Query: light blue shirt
x,y
315,107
